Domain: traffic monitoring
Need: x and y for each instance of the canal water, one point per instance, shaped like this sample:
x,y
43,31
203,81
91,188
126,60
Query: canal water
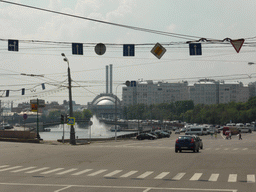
x,y
96,130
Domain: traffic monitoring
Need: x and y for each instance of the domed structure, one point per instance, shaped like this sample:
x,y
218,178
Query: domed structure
x,y
103,106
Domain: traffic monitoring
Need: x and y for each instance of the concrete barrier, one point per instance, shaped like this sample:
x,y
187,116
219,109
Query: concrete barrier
x,y
17,134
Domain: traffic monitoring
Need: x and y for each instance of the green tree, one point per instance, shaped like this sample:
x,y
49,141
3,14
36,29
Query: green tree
x,y
87,114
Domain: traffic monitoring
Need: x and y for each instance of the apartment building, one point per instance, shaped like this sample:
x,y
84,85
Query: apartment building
x,y
153,92
205,91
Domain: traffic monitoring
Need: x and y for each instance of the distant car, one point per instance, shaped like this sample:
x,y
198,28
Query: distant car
x,y
177,131
162,133
187,142
183,130
199,140
146,136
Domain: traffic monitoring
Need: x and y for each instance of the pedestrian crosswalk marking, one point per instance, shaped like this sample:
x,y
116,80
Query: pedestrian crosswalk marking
x,y
82,172
129,174
232,178
178,176
144,175
113,173
97,172
37,170
67,171
10,168
196,177
24,169
162,175
250,178
4,166
214,177
51,171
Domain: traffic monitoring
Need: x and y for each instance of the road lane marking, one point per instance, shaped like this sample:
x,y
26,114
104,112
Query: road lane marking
x,y
37,170
25,169
250,178
82,172
178,176
214,177
196,177
161,175
97,172
245,149
235,149
67,171
232,178
113,173
144,175
116,187
226,149
217,149
129,174
2,166
51,171
10,168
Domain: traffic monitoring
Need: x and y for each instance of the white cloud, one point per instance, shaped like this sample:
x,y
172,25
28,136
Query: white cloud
x,y
171,28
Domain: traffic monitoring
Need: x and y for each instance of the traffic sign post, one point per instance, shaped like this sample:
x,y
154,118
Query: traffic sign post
x,y
100,48
237,44
158,50
77,49
195,49
13,45
128,50
71,121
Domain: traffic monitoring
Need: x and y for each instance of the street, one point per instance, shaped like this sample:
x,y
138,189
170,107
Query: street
x,y
130,165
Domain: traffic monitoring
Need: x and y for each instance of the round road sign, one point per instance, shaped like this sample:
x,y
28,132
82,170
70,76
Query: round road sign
x,y
25,116
100,48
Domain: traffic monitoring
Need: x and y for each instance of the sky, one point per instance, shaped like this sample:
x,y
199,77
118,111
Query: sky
x,y
43,36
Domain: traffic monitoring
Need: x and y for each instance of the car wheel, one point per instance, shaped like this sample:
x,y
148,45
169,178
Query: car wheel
x,y
151,138
180,151
198,150
176,150
201,147
194,150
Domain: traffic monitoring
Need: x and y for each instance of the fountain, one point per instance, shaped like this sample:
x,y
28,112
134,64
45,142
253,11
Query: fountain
x,y
98,129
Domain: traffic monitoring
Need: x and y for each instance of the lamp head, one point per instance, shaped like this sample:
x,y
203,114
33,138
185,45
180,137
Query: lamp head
x,y
62,54
65,59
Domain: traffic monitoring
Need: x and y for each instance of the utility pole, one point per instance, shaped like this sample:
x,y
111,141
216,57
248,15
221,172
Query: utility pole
x,y
72,130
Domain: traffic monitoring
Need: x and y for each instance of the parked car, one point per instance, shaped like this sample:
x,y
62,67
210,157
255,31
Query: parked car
x,y
162,133
187,142
154,133
183,130
199,140
177,131
146,136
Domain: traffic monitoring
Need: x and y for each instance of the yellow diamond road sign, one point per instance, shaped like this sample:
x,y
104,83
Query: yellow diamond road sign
x,y
158,50
71,121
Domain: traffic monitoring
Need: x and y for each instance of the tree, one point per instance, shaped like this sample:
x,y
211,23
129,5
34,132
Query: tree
x,y
87,114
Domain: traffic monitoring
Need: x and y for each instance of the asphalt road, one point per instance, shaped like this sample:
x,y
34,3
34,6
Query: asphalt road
x,y
130,165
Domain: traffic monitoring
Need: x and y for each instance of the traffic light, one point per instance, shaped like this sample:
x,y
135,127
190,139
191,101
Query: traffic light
x,y
62,119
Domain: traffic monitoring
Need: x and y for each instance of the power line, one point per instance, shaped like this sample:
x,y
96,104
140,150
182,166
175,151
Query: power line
x,y
176,35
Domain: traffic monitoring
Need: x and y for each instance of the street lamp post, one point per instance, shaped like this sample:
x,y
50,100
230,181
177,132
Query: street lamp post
x,y
72,130
116,111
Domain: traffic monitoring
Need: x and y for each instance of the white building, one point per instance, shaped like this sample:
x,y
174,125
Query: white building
x,y
205,91
153,92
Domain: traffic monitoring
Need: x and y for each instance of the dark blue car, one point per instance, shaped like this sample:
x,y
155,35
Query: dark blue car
x,y
187,143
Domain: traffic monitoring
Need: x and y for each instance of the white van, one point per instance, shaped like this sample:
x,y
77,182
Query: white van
x,y
196,131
